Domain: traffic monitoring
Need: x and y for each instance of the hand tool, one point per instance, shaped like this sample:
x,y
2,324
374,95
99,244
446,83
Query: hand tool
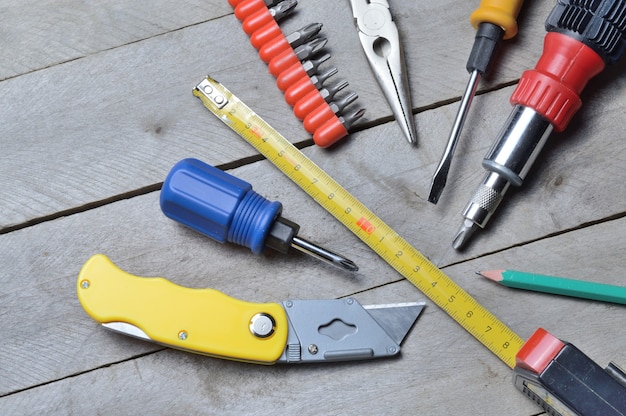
x,y
289,57
298,71
281,43
494,20
315,98
206,321
264,16
336,128
249,7
265,34
298,90
315,119
370,229
564,381
582,38
226,208
381,43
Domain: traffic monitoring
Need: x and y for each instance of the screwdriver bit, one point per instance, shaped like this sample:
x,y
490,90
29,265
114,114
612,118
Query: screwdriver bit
x,y
226,208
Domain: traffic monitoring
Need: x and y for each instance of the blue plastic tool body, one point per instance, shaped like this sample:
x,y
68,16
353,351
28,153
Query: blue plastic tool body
x,y
218,205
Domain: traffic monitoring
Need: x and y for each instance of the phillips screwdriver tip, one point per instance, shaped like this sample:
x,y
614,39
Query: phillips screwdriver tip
x,y
464,233
321,253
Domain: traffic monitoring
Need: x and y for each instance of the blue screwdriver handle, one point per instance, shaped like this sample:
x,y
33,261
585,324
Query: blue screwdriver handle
x,y
218,205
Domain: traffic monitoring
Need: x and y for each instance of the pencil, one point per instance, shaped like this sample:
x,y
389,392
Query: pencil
x,y
558,285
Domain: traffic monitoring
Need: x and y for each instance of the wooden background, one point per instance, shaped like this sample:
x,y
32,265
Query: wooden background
x,y
96,107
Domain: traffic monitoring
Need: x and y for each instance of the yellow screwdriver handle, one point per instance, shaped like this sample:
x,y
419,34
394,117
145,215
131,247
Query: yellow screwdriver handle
x,y
499,12
199,320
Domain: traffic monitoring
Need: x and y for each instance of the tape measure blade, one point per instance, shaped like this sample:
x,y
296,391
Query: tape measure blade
x,y
370,229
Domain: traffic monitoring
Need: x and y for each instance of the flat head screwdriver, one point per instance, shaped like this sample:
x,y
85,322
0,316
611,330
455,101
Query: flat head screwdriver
x,y
583,37
495,20
226,208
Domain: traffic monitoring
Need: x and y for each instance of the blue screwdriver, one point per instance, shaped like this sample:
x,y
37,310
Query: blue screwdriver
x,y
226,208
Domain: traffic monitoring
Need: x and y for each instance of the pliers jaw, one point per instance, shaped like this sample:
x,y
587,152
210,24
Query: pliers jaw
x,y
381,43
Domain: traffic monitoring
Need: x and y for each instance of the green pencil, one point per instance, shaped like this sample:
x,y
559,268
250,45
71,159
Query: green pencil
x,y
558,285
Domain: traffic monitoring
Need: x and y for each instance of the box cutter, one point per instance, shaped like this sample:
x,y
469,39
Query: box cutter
x,y
209,322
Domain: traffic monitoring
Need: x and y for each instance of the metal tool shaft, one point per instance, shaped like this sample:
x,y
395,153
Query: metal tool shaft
x,y
441,174
321,253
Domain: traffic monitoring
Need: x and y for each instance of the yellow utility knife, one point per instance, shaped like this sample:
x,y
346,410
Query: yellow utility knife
x,y
209,322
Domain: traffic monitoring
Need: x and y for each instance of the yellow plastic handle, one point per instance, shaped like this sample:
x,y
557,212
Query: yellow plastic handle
x,y
200,320
499,12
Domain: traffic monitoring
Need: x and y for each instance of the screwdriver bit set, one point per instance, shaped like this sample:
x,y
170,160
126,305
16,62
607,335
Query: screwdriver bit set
x,y
295,60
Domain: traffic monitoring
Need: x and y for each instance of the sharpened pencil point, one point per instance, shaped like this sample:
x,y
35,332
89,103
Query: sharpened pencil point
x,y
495,275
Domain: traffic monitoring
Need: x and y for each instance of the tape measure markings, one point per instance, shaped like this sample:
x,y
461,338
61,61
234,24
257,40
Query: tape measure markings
x,y
370,229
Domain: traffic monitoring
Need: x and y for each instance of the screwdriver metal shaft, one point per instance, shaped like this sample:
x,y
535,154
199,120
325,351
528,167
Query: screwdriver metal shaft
x,y
323,254
441,173
494,20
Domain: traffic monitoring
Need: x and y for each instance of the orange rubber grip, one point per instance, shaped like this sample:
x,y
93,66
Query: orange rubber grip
x,y
330,132
499,12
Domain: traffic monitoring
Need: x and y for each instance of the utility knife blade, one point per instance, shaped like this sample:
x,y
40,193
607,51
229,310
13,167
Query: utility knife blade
x,y
206,321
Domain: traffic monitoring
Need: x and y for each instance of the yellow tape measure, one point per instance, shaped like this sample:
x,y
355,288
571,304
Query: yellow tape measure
x,y
397,252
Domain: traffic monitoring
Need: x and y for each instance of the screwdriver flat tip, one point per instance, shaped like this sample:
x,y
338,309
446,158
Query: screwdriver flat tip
x,y
441,174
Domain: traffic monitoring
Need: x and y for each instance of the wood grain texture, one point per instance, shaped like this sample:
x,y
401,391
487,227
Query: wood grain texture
x,y
132,105
97,107
41,34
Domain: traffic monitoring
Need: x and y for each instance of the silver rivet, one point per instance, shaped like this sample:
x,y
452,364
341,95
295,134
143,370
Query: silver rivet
x,y
262,325
84,284
392,350
208,89
349,301
313,349
182,335
218,99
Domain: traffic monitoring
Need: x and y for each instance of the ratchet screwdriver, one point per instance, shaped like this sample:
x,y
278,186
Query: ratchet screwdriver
x,y
494,20
583,37
226,208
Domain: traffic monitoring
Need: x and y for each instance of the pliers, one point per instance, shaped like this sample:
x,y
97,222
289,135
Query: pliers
x,y
381,43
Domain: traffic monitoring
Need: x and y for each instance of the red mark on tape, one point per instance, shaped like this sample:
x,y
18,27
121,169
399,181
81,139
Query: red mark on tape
x,y
365,225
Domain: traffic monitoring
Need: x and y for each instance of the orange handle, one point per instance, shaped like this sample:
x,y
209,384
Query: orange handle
x,y
499,12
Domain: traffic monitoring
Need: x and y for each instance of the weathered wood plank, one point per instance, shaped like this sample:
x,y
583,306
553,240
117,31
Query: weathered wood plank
x,y
442,369
115,121
38,35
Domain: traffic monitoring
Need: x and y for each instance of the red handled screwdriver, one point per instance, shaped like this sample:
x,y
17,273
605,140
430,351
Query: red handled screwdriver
x,y
335,129
287,58
264,16
297,91
583,37
245,8
299,70
325,111
281,43
315,98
